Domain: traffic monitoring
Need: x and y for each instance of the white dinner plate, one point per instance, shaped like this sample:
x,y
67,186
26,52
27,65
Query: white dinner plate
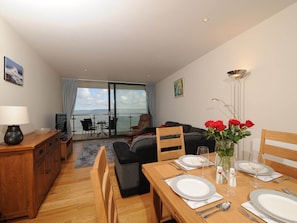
x,y
190,160
243,165
192,187
275,204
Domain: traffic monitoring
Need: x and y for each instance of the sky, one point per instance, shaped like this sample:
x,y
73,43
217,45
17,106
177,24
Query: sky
x,y
97,98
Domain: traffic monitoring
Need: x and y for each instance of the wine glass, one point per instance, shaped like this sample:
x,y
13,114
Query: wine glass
x,y
256,164
203,155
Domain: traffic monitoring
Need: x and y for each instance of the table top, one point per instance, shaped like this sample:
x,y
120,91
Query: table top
x,y
157,171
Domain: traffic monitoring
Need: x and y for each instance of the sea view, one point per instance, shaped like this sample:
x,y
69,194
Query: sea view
x,y
126,118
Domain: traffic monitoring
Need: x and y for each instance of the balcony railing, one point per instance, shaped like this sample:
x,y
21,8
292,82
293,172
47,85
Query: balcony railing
x,y
125,121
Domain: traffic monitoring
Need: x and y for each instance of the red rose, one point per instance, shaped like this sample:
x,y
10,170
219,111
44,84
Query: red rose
x,y
209,124
219,125
249,123
234,122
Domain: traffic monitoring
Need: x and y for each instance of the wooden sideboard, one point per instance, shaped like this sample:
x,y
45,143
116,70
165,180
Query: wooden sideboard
x,y
27,172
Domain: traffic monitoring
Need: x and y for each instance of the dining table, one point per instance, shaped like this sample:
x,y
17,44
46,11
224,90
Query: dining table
x,y
158,174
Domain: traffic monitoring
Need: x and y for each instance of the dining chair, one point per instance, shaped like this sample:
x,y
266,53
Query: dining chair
x,y
103,191
170,143
280,151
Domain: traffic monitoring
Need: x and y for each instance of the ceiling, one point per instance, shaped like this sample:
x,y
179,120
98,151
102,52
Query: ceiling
x,y
140,41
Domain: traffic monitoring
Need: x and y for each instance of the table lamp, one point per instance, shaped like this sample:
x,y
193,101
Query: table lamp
x,y
13,116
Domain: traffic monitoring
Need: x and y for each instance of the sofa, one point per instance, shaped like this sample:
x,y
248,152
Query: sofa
x,y
143,149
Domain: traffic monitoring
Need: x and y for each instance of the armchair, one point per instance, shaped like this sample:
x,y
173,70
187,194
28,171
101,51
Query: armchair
x,y
144,122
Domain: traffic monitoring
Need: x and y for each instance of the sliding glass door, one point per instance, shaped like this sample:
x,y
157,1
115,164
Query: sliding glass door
x,y
126,103
112,107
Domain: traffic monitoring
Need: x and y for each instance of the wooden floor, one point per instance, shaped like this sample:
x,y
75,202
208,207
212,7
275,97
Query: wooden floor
x,y
70,200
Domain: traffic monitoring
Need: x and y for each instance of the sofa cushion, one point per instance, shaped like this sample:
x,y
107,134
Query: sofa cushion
x,y
142,142
123,154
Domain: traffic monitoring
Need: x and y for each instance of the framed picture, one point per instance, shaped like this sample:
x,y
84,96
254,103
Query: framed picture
x,y
178,88
13,72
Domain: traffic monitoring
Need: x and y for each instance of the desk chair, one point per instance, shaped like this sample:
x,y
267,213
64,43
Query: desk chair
x,y
280,149
103,191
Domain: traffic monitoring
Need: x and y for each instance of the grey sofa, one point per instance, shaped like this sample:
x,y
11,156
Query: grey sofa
x,y
143,149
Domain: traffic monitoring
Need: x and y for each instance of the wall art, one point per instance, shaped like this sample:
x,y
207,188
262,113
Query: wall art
x,y
179,88
13,72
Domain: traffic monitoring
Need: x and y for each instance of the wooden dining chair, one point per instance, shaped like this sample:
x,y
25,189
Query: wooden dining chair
x,y
170,143
103,191
280,151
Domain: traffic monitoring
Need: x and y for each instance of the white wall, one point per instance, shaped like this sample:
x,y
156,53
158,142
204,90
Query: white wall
x,y
41,91
269,52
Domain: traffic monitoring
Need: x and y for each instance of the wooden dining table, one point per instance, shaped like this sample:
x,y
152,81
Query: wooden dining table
x,y
157,172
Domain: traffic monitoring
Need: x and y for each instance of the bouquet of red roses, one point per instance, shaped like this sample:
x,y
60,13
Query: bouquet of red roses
x,y
233,132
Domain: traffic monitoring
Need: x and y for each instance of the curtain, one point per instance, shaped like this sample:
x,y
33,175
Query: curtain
x,y
151,100
69,90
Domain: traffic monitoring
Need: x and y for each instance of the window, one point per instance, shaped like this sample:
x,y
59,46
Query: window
x,y
93,101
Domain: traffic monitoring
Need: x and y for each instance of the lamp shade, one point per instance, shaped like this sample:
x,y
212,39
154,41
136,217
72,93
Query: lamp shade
x,y
237,74
13,115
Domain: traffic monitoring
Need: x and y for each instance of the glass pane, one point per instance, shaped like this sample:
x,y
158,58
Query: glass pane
x,y
90,103
131,102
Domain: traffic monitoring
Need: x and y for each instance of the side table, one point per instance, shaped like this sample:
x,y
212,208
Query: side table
x,y
66,147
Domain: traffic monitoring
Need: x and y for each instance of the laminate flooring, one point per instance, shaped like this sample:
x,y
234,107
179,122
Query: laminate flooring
x,y
70,200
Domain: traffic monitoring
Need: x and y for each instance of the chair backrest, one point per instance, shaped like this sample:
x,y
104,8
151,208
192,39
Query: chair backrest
x,y
103,191
144,121
112,123
89,122
84,125
280,151
170,143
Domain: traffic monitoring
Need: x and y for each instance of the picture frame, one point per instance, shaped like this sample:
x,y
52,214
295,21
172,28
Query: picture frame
x,y
13,72
179,87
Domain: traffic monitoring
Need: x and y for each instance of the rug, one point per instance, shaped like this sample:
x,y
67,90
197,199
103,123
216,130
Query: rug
x,y
89,151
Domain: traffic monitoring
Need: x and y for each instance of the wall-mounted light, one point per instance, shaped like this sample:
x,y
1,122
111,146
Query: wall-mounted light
x,y
13,116
237,74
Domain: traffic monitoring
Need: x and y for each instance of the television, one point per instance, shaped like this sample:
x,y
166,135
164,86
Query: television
x,y
61,124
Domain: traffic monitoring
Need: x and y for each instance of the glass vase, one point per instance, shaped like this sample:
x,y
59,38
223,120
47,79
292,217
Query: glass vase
x,y
225,154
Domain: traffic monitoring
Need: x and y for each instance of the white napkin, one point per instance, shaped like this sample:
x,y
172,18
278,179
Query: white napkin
x,y
247,205
273,176
184,167
197,204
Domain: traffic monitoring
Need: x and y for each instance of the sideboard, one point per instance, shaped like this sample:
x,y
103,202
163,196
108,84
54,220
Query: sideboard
x,y
27,172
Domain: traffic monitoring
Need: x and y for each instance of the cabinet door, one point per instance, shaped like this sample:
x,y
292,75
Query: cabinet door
x,y
13,177
40,183
53,159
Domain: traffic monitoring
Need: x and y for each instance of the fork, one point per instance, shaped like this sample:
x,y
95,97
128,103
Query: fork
x,y
281,180
246,214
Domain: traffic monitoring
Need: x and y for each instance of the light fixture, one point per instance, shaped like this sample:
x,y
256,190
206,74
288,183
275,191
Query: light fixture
x,y
237,74
13,116
226,106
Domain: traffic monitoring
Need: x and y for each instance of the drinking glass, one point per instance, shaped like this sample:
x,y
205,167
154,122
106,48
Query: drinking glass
x,y
203,154
256,164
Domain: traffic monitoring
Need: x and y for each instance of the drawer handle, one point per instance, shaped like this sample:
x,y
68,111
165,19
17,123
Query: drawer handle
x,y
40,151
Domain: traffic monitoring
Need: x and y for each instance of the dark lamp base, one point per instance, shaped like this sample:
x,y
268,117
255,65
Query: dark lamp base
x,y
13,135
